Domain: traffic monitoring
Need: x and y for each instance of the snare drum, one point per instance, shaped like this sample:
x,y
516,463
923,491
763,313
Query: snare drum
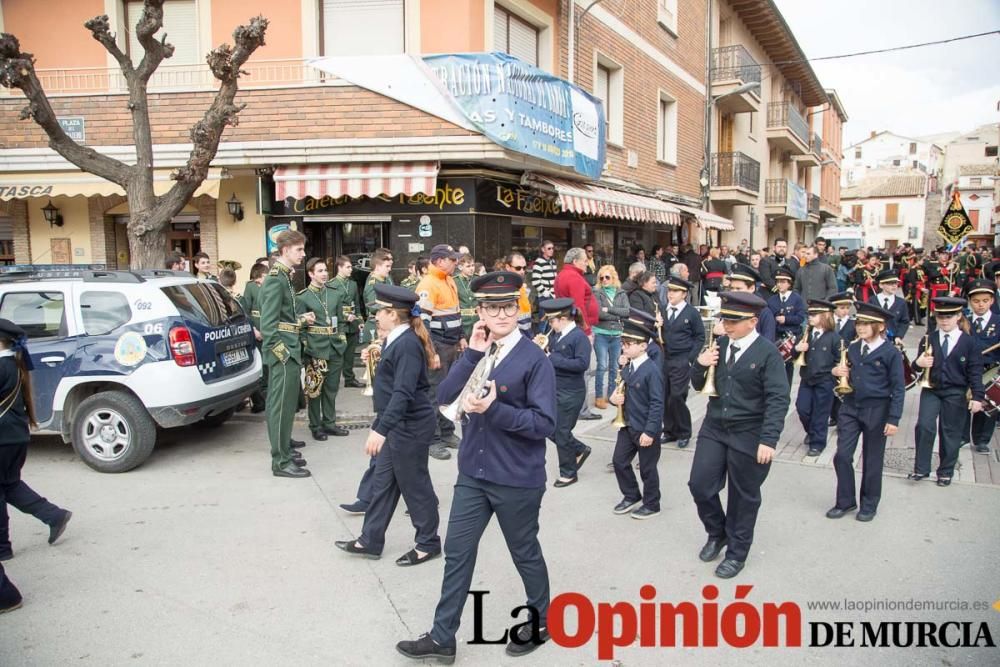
x,y
786,346
991,381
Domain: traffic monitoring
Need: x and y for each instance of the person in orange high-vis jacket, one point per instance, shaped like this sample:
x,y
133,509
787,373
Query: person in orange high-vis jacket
x,y
516,263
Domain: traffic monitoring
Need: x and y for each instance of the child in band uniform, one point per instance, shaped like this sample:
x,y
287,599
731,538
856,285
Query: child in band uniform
x,y
815,399
986,330
789,311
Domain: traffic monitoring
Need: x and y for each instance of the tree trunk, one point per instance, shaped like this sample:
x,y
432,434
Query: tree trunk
x,y
147,247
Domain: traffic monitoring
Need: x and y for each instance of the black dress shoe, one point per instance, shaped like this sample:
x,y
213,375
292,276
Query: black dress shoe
x,y
683,442
357,507
318,435
291,470
300,461
837,512
351,547
590,416
865,515
451,441
916,476
10,597
712,548
56,529
729,568
296,444
338,431
425,647
354,384
814,451
626,506
943,481
582,458
411,558
523,643
439,452
982,449
560,483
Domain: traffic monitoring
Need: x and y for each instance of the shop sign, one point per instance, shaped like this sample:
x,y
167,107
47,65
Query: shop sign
x,y
450,196
425,229
525,108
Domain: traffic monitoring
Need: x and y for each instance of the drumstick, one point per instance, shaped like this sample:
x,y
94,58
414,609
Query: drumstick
x,y
990,348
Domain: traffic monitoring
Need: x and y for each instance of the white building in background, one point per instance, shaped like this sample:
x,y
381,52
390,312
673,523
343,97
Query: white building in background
x,y
976,148
976,187
890,206
884,151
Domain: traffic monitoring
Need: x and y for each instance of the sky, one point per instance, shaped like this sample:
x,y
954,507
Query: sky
x,y
931,90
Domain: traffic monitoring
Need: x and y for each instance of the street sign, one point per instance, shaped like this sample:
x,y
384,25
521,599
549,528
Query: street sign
x,y
75,127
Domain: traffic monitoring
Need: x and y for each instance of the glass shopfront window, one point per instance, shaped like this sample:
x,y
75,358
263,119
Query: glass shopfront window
x,y
526,237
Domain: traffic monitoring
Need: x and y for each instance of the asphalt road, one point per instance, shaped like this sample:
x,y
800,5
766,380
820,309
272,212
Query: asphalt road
x,y
202,557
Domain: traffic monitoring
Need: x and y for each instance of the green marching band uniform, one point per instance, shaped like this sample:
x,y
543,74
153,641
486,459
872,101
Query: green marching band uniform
x,y
323,347
250,301
368,333
410,283
280,328
467,303
347,296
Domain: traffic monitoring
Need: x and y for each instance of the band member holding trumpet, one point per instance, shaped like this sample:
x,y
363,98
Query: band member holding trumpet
x,y
789,312
985,328
817,357
887,299
569,351
640,390
501,464
683,334
740,431
955,366
323,345
402,431
843,324
745,278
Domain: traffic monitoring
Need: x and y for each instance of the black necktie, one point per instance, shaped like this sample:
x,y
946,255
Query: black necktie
x,y
673,314
733,349
493,348
864,350
979,325
944,346
885,304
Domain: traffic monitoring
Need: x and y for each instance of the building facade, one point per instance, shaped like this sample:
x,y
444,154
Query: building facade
x,y
890,206
889,151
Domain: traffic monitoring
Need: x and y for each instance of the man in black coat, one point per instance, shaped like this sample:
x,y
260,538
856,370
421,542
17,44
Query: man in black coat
x,y
740,432
769,265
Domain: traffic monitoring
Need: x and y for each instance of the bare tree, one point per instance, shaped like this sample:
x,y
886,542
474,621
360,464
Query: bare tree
x,y
149,214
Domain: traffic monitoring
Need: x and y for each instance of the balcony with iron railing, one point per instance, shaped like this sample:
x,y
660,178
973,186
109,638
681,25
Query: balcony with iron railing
x,y
787,129
813,205
732,67
735,178
786,199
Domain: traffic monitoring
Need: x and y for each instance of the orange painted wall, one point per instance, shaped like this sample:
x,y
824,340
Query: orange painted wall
x,y
451,26
55,32
284,30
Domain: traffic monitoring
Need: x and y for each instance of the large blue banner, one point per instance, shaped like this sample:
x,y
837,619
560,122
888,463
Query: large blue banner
x,y
525,109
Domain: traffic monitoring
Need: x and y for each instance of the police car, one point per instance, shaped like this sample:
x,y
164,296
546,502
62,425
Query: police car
x,y
119,353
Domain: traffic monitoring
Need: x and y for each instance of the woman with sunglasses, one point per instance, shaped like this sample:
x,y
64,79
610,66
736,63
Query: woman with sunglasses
x,y
612,306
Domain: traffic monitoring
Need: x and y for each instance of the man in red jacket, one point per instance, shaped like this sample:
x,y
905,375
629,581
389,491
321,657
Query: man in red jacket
x,y
571,282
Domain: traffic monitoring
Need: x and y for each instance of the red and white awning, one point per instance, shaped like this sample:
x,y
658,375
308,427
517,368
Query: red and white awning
x,y
355,179
579,197
708,220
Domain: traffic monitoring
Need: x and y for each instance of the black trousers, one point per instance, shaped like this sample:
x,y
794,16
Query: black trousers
x,y
814,404
401,469
983,426
473,505
790,372
447,353
941,413
716,460
677,381
866,422
366,489
14,492
568,404
626,449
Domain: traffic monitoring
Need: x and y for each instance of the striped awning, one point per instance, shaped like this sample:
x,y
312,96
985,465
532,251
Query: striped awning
x,y
355,179
708,220
578,197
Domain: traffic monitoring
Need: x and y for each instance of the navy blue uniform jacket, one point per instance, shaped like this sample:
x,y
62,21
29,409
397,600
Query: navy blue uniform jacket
x,y
766,326
963,369
644,398
901,315
988,337
878,377
506,444
685,336
794,310
401,385
821,357
14,422
570,357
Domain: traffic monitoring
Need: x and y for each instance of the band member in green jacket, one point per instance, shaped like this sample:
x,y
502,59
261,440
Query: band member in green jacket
x,y
466,301
349,314
381,264
323,349
280,329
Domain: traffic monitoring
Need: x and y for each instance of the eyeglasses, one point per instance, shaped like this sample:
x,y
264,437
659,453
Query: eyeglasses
x,y
605,277
547,248
494,309
522,267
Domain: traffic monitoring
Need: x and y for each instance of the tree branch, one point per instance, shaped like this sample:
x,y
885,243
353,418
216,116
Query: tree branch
x,y
17,70
149,23
100,29
226,63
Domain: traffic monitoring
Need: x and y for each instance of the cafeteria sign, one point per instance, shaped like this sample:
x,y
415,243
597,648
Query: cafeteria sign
x,y
525,108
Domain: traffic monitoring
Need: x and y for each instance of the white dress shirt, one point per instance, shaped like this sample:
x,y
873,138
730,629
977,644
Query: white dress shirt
x,y
742,344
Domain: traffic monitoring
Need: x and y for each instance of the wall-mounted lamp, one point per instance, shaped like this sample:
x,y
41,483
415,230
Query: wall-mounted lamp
x,y
235,207
52,216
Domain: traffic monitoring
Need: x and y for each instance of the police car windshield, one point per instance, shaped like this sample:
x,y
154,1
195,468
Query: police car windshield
x,y
205,302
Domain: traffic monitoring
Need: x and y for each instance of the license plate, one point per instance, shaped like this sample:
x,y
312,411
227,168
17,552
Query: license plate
x,y
234,357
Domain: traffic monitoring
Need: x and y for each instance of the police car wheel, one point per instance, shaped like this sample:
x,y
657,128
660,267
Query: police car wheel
x,y
218,419
112,432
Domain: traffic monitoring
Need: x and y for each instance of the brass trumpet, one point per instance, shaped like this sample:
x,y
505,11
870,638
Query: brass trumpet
x,y
843,384
925,380
800,360
619,421
374,355
709,388
542,341
659,324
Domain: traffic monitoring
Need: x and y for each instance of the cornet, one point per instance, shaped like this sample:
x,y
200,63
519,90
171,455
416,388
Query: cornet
x,y
800,360
619,421
843,384
542,341
374,355
709,388
925,381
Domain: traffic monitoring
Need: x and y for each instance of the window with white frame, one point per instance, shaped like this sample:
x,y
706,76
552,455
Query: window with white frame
x,y
180,22
609,87
362,27
515,36
666,14
666,145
